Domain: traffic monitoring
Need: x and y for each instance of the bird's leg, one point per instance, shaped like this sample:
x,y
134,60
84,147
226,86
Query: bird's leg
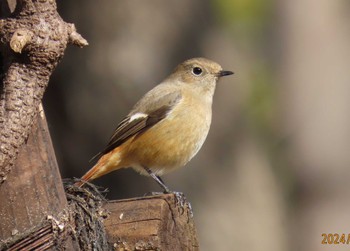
x,y
180,198
158,180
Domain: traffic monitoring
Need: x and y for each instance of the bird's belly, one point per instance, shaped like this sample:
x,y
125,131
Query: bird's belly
x,y
169,144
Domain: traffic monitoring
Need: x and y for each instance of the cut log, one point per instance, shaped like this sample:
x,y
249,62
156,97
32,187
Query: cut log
x,y
151,223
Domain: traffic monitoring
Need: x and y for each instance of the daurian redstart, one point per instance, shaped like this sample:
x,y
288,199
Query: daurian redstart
x,y
167,127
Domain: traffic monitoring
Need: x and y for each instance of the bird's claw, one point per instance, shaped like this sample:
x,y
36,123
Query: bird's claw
x,y
180,201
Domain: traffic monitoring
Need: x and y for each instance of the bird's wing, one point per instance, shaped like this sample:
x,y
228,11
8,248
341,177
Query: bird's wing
x,y
139,121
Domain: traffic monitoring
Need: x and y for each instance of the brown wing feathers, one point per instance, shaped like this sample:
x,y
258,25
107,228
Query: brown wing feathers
x,y
127,129
130,127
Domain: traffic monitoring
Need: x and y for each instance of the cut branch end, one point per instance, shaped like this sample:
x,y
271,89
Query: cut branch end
x,y
20,39
75,38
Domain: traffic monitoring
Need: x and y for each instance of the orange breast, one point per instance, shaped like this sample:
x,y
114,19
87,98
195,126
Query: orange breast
x,y
169,144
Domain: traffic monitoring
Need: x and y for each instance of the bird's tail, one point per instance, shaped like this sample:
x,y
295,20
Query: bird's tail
x,y
107,163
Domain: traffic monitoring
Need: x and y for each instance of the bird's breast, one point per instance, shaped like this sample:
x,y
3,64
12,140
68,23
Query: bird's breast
x,y
172,142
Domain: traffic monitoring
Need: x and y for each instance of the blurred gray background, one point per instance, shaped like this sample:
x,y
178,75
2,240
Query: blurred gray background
x,y
274,172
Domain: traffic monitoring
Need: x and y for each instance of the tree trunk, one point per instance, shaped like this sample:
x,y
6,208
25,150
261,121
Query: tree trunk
x,y
33,38
33,193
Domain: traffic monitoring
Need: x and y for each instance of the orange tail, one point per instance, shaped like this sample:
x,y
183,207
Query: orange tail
x,y
107,163
89,175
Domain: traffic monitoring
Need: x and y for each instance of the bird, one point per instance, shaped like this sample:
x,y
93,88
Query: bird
x,y
166,128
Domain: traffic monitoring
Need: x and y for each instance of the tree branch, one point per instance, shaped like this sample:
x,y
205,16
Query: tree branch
x,y
31,45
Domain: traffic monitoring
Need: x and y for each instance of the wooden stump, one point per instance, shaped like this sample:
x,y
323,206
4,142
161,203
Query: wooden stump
x,y
33,189
147,223
151,223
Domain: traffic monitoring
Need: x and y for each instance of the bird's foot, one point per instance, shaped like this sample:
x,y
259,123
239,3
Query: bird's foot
x,y
180,201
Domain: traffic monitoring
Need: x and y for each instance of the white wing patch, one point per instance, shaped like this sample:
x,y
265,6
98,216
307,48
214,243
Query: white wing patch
x,y
137,116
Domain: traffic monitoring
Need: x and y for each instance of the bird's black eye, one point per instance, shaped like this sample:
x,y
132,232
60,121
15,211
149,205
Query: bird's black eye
x,y
197,71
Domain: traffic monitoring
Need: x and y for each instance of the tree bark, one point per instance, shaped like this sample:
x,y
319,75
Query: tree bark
x,y
32,41
33,194
33,38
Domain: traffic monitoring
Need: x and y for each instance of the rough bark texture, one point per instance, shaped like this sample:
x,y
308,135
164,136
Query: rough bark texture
x,y
32,41
33,38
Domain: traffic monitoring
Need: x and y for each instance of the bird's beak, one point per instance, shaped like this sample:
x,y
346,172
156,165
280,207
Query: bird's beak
x,y
224,73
